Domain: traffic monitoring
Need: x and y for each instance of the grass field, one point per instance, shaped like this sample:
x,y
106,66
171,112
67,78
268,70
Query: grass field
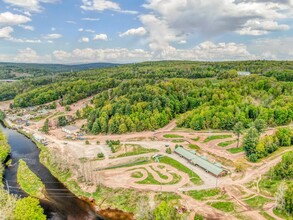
x,y
178,141
216,137
224,206
29,181
257,202
137,150
194,178
203,194
172,136
235,150
226,143
194,146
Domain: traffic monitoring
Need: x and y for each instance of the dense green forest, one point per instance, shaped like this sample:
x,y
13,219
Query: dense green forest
x,y
24,70
146,96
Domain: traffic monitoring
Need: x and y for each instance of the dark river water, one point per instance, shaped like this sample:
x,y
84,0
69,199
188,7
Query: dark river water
x,y
62,203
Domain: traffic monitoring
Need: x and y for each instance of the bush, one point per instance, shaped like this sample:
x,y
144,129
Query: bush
x,y
101,156
87,142
27,209
253,158
168,150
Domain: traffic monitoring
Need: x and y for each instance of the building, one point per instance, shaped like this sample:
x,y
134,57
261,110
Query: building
x,y
40,139
243,73
201,161
71,129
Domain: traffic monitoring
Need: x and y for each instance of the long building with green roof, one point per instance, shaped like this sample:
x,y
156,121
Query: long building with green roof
x,y
201,161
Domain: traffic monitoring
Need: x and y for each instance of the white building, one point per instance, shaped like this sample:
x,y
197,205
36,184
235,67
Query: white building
x,y
71,129
243,73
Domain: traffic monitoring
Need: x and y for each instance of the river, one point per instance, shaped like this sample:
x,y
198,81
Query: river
x,y
61,204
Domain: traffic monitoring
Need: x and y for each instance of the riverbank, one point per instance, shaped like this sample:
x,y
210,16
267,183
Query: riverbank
x,y
7,201
60,201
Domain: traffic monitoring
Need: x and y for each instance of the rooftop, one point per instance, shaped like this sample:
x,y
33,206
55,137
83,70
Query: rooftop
x,y
200,161
71,128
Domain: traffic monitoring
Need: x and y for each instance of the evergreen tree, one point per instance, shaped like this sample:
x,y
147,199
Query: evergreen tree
x,y
45,127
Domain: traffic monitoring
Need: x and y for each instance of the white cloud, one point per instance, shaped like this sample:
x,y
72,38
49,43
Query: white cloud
x,y
20,40
53,36
27,55
30,5
70,22
176,20
134,31
260,27
86,30
90,19
27,27
205,51
7,18
6,32
101,55
275,48
101,37
84,40
101,5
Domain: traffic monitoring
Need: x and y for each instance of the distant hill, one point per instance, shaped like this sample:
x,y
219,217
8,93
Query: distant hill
x,y
23,70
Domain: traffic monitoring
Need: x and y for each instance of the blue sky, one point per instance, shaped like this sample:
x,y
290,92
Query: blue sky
x,y
83,31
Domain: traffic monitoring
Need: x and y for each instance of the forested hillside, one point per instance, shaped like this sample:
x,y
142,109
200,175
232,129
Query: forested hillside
x,y
24,70
146,96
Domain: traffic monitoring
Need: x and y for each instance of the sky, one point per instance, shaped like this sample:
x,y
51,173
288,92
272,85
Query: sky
x,y
126,31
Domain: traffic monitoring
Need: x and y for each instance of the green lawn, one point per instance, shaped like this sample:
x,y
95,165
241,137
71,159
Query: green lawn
x,y
195,139
137,175
235,150
216,137
174,163
267,216
203,194
257,202
137,150
198,217
224,206
4,148
178,141
269,186
29,182
282,214
151,180
194,146
172,136
226,143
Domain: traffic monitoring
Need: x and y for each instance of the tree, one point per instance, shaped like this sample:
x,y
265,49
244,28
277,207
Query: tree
x,y
62,121
27,209
2,115
78,115
168,150
164,212
260,125
237,130
67,108
284,136
250,142
45,127
288,201
280,195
